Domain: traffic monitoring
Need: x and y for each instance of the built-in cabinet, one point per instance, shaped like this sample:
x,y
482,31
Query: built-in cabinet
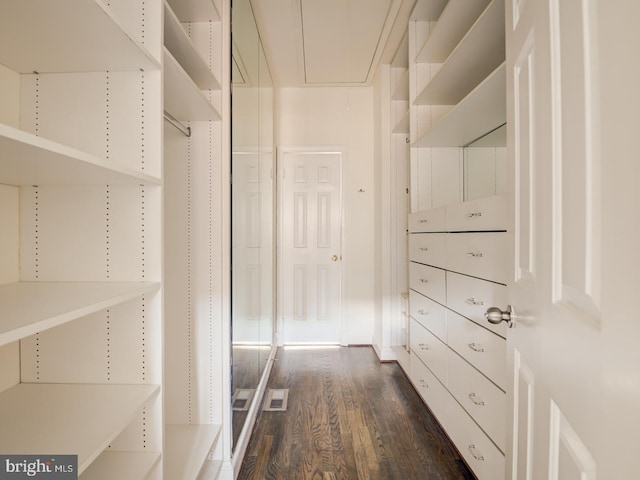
x,y
111,340
457,239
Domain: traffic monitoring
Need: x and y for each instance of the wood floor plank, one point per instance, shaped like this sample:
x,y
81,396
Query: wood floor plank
x,y
349,417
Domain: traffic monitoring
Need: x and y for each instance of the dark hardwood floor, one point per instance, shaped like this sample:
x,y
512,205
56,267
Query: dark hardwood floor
x,y
348,417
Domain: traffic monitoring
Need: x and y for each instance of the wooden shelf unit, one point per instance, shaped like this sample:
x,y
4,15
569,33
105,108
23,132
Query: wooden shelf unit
x,y
481,111
196,10
28,160
182,97
32,307
453,23
68,36
187,449
478,54
53,418
184,51
121,465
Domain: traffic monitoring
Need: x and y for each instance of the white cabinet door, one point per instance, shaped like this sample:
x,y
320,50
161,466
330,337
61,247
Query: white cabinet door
x,y
572,133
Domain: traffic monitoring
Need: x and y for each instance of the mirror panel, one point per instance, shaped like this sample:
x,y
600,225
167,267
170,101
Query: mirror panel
x,y
253,201
485,165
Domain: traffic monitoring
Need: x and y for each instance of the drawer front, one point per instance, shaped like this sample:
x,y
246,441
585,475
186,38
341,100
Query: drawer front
x,y
428,281
427,221
471,297
430,389
485,402
484,458
429,314
480,255
429,349
482,348
428,248
484,214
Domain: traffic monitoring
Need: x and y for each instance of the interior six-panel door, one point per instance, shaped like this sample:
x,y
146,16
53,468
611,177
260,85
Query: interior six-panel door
x,y
311,256
558,383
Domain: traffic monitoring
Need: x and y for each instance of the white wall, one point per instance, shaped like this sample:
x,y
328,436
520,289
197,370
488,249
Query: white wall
x,y
342,117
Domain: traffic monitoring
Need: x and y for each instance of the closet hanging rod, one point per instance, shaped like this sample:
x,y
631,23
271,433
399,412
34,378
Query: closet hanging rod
x,y
176,123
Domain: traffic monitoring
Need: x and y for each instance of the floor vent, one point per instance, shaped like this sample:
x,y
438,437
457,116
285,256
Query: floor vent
x,y
276,400
242,398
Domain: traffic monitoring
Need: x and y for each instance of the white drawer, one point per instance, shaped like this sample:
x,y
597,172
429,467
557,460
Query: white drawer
x,y
428,248
485,402
427,221
484,458
480,255
482,348
471,297
429,387
429,349
484,214
429,314
429,281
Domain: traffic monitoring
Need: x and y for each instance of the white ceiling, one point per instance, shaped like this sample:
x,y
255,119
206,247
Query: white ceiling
x,y
329,42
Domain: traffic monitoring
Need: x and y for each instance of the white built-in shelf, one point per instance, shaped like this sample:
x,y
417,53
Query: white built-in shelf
x,y
182,97
68,418
67,36
31,307
402,88
211,469
479,53
26,159
452,25
179,44
112,465
483,110
186,449
401,57
403,124
195,10
428,11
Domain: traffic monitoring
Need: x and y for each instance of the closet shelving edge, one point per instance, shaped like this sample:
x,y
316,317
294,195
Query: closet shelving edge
x,y
479,52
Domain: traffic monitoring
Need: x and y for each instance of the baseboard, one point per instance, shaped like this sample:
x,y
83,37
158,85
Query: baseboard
x,y
385,354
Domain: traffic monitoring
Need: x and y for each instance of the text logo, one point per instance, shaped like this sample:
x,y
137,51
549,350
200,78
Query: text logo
x,y
49,467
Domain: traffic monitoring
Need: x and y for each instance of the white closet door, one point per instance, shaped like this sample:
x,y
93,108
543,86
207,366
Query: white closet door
x,y
311,227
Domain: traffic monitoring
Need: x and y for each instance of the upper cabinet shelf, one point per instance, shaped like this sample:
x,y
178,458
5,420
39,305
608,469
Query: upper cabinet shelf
x,y
47,36
195,10
31,160
478,54
31,307
182,97
179,44
451,27
484,109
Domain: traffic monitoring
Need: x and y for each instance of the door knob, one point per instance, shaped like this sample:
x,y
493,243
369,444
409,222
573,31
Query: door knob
x,y
334,258
495,315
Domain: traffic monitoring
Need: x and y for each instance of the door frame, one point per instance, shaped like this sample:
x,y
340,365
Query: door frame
x,y
281,151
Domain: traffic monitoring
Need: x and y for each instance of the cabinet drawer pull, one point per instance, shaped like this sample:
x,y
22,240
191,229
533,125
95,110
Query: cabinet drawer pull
x,y
474,398
474,254
474,451
474,214
424,280
473,301
424,220
423,249
423,346
422,312
476,348
424,383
